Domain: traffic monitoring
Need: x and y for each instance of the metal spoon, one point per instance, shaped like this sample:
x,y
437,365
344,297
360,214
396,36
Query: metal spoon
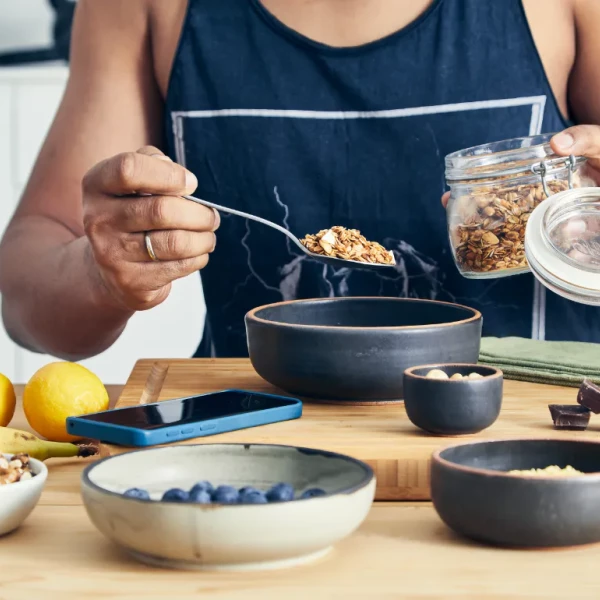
x,y
336,262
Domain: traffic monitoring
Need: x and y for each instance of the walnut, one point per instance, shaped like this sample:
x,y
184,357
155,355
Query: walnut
x,y
18,468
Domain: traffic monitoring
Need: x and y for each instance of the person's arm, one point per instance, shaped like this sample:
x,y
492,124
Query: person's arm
x,y
72,265
583,92
584,88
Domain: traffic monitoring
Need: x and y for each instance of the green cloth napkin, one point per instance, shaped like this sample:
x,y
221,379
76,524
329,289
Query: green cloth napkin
x,y
553,363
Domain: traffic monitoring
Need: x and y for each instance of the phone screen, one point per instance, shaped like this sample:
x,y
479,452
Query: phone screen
x,y
189,410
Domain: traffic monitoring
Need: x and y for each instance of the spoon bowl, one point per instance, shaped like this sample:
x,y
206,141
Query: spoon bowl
x,y
330,260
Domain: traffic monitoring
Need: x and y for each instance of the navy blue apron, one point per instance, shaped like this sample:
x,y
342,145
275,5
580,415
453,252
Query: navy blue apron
x,y
311,136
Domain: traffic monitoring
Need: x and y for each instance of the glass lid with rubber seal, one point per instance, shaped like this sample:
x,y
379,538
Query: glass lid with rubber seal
x,y
562,244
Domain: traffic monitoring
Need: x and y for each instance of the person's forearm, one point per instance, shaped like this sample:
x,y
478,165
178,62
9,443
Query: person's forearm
x,y
53,299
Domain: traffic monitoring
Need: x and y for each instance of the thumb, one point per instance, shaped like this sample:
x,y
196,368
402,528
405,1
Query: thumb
x,y
581,140
153,151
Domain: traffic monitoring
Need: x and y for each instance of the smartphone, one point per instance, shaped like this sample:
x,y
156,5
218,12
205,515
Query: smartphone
x,y
184,418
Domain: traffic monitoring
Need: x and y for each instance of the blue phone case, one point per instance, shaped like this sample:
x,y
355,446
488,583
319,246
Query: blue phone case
x,y
131,436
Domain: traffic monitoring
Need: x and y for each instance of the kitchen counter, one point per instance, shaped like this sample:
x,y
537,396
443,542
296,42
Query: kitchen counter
x,y
401,551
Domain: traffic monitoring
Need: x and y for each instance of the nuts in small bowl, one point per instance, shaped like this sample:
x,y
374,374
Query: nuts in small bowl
x,y
22,480
453,399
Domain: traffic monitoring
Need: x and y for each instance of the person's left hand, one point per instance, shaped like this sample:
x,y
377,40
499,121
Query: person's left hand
x,y
580,140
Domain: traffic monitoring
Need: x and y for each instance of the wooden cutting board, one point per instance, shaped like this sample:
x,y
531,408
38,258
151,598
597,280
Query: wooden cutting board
x,y
381,435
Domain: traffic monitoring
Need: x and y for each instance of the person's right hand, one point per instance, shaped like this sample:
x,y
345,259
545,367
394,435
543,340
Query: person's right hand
x,y
137,192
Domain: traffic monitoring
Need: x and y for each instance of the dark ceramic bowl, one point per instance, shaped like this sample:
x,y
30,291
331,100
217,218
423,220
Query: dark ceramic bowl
x,y
449,406
357,349
475,495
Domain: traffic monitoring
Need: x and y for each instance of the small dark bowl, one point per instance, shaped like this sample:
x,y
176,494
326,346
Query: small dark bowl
x,y
453,406
476,497
356,349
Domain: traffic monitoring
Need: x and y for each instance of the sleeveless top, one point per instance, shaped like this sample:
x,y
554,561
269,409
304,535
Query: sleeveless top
x,y
311,136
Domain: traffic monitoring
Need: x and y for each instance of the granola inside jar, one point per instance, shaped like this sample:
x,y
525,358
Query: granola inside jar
x,y
494,188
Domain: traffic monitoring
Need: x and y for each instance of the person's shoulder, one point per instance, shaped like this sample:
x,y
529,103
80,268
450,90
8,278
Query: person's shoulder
x,y
166,21
117,10
164,13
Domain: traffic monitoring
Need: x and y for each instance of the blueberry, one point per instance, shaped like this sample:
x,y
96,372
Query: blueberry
x,y
313,493
175,495
252,497
205,486
225,494
246,489
137,493
199,496
280,492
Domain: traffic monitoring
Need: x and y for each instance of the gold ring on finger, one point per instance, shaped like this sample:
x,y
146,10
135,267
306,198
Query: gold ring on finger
x,y
149,247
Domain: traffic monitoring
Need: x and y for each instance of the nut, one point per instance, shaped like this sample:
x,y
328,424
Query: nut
x,y
436,374
488,228
347,244
474,376
18,468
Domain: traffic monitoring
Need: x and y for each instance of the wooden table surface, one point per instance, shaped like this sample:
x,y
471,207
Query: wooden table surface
x,y
381,435
402,551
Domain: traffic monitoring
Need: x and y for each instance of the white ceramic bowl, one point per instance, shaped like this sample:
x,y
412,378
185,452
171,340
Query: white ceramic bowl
x,y
17,500
218,536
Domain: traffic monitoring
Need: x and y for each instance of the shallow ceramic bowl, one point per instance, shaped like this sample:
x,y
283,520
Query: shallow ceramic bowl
x,y
227,536
357,349
453,406
17,500
475,495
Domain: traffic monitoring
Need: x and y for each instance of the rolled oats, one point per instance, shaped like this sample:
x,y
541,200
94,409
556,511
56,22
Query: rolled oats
x,y
347,244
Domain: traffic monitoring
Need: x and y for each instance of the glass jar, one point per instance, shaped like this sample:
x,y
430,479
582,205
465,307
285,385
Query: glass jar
x,y
562,244
494,189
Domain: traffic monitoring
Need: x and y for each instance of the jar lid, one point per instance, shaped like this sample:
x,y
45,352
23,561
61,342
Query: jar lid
x,y
511,158
562,244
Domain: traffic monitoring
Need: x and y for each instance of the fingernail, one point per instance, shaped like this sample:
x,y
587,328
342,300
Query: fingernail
x,y
217,222
191,183
564,140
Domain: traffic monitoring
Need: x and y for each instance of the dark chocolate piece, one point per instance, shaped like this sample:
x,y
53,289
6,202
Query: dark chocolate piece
x,y
569,416
589,396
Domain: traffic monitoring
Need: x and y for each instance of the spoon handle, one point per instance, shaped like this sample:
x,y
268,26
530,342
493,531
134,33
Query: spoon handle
x,y
239,213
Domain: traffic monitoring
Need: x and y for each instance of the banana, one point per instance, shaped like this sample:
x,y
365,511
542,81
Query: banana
x,y
13,441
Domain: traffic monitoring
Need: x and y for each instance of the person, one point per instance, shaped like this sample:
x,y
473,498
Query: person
x,y
310,114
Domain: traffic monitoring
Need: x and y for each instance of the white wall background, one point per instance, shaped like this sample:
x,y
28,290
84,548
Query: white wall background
x,y
29,97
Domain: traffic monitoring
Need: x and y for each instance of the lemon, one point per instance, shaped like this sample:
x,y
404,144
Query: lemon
x,y
8,400
60,390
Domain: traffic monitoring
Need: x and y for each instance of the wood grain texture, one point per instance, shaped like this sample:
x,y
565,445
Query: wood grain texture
x,y
382,436
400,552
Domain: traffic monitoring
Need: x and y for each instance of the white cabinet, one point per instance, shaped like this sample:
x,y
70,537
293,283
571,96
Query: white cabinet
x,y
29,98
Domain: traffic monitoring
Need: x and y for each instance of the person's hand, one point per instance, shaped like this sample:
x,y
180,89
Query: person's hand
x,y
140,192
580,140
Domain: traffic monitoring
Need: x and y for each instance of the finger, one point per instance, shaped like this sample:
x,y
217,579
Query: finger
x,y
445,199
164,212
581,140
153,151
169,245
155,275
135,173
